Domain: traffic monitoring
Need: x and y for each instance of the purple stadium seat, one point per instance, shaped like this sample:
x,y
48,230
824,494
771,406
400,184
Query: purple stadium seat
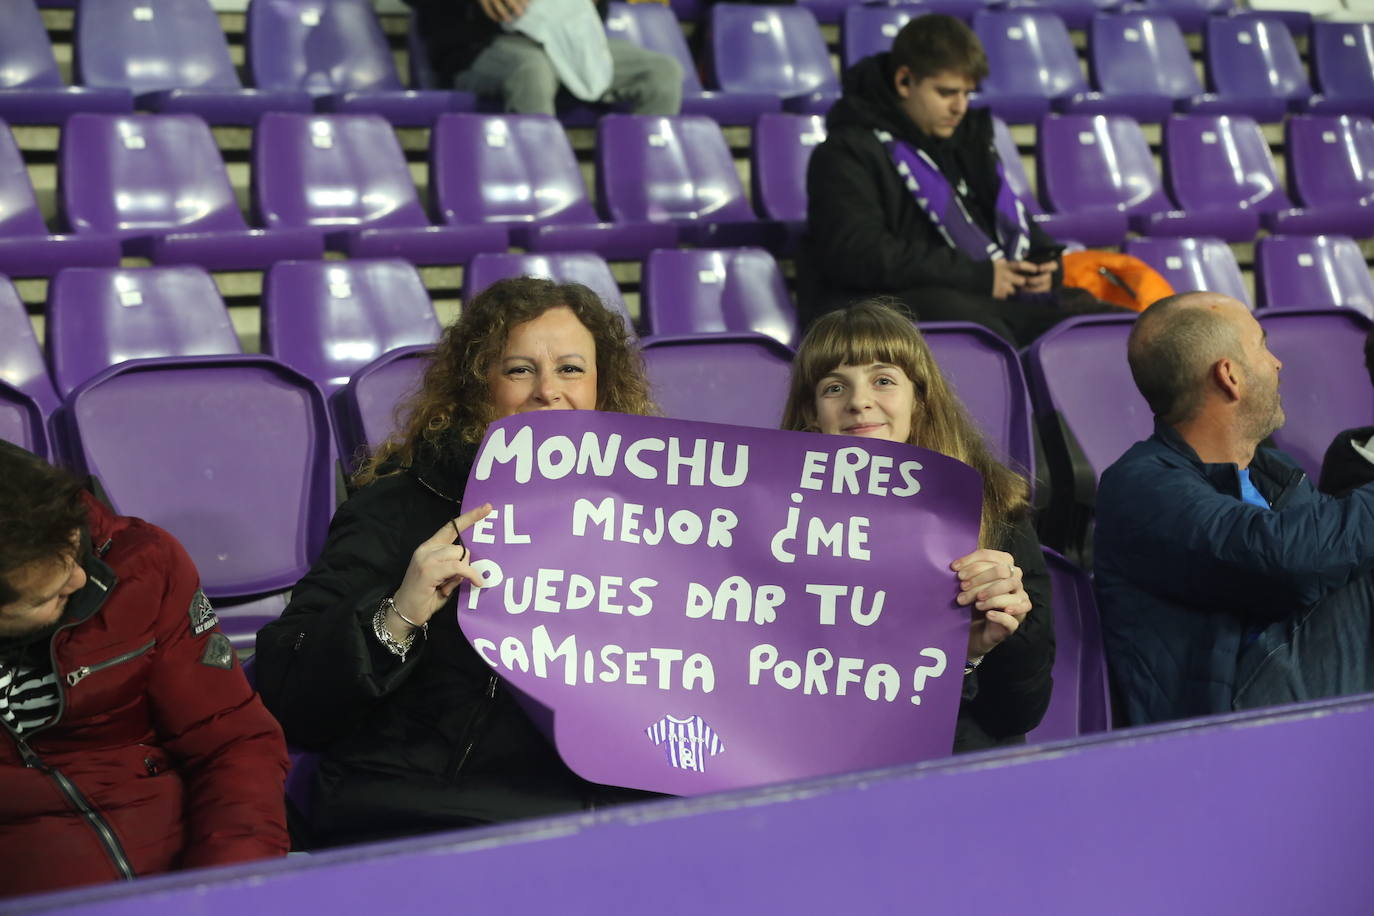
x,y
519,172
31,88
1093,162
704,378
1331,170
367,405
1143,57
1076,14
335,50
1089,412
21,421
653,26
677,170
776,50
1081,702
1191,15
100,317
1343,64
1034,67
1253,64
346,175
986,374
158,183
1065,227
870,27
1321,271
779,155
325,319
733,290
21,360
1324,383
1222,163
585,267
244,472
172,54
26,248
1193,264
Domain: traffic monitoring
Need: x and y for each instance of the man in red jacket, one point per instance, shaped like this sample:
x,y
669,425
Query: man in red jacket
x,y
131,743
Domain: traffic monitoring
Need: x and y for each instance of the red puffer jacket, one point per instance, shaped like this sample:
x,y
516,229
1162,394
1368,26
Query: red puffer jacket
x,y
162,757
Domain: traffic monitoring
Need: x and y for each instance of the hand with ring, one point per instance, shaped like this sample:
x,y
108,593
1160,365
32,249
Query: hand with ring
x,y
437,567
990,581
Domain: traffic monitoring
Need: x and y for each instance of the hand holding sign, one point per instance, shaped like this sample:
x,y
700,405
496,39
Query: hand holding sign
x,y
990,580
437,568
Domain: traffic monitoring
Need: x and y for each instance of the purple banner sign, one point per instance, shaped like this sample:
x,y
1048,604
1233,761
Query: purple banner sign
x,y
691,607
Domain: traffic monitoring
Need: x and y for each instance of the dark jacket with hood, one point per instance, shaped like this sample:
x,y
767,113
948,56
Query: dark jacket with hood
x,y
1343,468
434,742
1185,568
160,756
866,234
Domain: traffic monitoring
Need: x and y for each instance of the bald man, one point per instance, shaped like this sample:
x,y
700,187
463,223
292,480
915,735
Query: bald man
x,y
1226,581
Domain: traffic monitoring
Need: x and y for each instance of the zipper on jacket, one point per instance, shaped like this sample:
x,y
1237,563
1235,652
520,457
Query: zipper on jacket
x,y
78,675
473,731
1295,477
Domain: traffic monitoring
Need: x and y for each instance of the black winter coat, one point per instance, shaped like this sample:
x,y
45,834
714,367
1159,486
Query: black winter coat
x,y
433,743
1343,468
866,234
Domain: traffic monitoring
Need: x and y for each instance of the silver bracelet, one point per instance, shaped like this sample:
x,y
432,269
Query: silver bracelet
x,y
972,664
394,646
390,604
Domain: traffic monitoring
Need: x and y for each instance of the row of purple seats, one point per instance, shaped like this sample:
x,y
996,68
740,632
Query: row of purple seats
x,y
1089,411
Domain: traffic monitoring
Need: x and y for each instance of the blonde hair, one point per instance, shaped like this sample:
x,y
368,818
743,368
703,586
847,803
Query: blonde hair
x,y
454,398
880,331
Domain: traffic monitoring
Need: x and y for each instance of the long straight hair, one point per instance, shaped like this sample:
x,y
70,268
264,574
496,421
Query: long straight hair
x,y
879,331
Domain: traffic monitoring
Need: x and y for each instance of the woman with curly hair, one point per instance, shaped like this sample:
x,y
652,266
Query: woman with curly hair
x,y
866,371
367,664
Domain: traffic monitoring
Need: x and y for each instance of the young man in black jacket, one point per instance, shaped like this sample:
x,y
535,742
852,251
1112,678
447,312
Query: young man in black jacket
x,y
906,196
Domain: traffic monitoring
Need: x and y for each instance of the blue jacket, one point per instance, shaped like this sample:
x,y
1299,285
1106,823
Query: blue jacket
x,y
1184,568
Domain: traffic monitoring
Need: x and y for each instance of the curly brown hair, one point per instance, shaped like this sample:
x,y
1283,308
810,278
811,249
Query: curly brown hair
x,y
41,508
454,397
880,331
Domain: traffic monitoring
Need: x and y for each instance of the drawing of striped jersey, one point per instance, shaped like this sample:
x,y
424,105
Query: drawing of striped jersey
x,y
688,742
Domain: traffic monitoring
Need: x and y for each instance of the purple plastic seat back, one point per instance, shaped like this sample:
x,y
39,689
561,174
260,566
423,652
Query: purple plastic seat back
x,y
21,421
21,361
1078,370
1190,15
1251,56
1031,55
332,172
723,379
243,473
985,372
26,56
326,319
374,393
1081,702
320,46
782,148
774,49
1331,160
653,26
1324,383
19,213
100,317
651,169
1012,167
699,291
1298,271
132,175
506,168
1343,60
1091,162
149,46
1141,54
870,27
585,267
1193,264
1221,162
